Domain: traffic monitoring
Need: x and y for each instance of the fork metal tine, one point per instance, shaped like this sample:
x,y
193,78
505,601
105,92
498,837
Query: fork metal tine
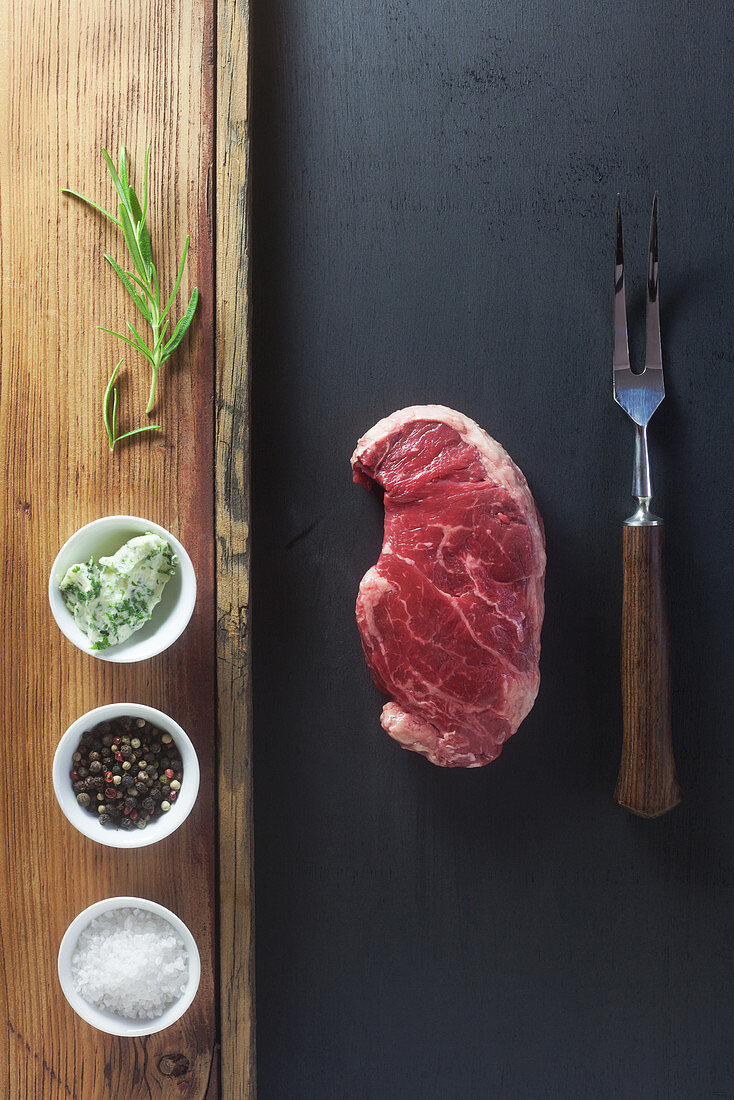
x,y
621,346
653,350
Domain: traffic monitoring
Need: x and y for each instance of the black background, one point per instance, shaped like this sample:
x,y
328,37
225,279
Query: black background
x,y
433,212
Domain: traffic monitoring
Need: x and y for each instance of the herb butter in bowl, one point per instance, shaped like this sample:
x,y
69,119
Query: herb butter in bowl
x,y
122,588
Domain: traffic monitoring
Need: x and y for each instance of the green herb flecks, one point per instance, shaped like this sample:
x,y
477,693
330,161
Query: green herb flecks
x,y
142,283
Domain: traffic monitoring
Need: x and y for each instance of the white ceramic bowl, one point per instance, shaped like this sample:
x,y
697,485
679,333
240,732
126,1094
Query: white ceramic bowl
x,y
170,618
110,1021
158,827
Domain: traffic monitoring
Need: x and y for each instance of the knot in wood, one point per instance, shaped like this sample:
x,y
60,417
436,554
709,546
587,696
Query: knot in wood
x,y
173,1065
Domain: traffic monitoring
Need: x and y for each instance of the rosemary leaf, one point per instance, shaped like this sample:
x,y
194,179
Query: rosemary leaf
x,y
115,178
126,340
142,306
105,404
123,169
110,421
137,431
141,233
179,277
143,347
114,418
76,195
145,289
161,335
131,241
155,284
181,328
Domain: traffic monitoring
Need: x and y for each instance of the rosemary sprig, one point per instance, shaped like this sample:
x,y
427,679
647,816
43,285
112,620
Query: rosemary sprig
x,y
142,284
110,418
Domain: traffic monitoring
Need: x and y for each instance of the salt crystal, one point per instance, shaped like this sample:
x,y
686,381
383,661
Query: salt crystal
x,y
131,962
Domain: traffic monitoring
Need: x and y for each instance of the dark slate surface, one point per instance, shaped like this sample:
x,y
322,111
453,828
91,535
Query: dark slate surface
x,y
434,193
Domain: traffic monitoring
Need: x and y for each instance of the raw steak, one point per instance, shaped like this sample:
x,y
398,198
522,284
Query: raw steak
x,y
450,616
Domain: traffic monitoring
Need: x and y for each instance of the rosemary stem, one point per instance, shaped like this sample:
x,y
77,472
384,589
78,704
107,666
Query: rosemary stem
x,y
156,327
151,395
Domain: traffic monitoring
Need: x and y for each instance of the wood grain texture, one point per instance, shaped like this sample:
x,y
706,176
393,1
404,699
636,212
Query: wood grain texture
x,y
647,783
75,77
236,894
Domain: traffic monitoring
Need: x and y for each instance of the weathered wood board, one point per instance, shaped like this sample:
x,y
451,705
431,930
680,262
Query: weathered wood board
x,y
232,509
74,78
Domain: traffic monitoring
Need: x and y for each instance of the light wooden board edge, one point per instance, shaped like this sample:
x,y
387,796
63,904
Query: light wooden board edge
x,y
232,532
75,77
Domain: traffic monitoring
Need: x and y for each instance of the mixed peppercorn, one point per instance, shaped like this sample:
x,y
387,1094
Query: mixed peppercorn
x,y
126,772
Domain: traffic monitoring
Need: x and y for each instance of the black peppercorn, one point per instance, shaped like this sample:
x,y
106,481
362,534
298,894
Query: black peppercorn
x,y
117,764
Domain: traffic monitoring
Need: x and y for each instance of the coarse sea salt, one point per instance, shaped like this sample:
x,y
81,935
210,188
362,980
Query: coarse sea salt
x,y
131,962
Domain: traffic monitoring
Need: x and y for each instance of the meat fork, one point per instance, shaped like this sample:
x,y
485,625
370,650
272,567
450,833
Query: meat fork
x,y
647,783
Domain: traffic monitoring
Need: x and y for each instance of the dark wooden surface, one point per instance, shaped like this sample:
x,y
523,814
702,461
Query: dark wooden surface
x,y
434,198
647,783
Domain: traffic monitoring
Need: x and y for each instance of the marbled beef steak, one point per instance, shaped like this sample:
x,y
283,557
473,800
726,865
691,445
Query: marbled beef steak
x,y
450,616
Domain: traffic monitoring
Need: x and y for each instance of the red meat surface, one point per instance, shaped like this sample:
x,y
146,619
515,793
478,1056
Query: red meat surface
x,y
450,615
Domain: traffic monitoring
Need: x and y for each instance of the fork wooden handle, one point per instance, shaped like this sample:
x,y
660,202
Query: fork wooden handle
x,y
647,783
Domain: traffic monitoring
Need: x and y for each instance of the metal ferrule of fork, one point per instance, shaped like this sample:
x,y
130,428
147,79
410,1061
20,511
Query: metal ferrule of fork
x,y
642,483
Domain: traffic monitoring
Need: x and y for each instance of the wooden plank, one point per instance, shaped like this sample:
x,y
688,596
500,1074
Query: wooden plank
x,y
76,76
237,1009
